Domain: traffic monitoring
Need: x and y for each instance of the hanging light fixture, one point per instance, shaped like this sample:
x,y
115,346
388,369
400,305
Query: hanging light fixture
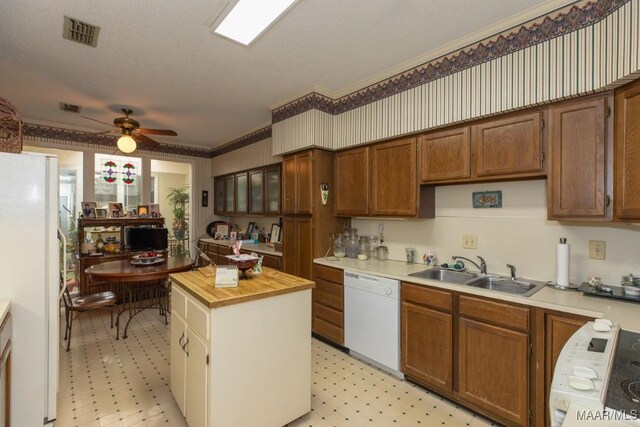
x,y
126,143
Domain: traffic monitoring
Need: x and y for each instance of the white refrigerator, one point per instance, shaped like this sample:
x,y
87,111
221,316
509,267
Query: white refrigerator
x,y
29,262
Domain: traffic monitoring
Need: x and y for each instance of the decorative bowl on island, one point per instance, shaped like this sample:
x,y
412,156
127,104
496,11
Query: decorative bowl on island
x,y
243,262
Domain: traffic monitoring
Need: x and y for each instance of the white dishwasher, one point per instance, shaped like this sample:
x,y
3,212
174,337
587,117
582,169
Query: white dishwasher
x,y
372,319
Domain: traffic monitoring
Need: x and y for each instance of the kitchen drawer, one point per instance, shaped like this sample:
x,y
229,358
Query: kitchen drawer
x,y
429,297
327,273
328,314
272,261
329,294
329,331
198,318
224,250
5,333
178,301
507,315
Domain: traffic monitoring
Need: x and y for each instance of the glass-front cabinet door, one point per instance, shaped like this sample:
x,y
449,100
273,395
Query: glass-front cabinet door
x,y
256,190
230,193
218,206
242,198
272,190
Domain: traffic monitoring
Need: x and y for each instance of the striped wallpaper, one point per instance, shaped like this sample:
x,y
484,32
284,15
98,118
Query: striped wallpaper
x,y
253,156
595,57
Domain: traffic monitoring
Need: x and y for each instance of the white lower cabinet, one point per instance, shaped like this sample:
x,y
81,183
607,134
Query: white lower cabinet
x,y
189,359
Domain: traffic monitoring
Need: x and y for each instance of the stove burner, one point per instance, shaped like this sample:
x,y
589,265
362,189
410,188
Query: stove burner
x,y
631,390
635,363
636,346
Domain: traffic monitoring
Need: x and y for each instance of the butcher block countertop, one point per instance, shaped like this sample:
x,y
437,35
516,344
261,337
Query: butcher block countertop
x,y
268,284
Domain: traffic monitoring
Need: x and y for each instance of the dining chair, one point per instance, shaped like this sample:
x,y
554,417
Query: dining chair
x,y
74,306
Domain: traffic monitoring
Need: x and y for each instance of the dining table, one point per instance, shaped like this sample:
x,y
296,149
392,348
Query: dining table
x,y
144,284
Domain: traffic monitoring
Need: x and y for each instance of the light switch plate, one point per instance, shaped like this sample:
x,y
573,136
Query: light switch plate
x,y
597,249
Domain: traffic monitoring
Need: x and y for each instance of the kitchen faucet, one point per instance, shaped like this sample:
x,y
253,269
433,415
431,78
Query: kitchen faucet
x,y
513,271
482,267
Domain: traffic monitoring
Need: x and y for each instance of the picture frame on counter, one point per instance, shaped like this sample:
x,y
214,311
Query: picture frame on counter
x,y
143,210
233,235
101,213
275,233
114,206
223,229
154,208
115,213
88,209
250,228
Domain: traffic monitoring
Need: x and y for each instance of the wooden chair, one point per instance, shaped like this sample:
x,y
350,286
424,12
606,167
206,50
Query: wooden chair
x,y
73,307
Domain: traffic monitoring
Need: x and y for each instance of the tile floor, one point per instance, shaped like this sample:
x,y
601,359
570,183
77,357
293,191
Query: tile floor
x,y
104,382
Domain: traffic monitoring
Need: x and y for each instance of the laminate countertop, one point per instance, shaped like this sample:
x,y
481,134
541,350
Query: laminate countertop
x,y
262,248
5,306
268,284
626,314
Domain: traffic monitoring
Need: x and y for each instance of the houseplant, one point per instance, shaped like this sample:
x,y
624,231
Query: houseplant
x,y
179,201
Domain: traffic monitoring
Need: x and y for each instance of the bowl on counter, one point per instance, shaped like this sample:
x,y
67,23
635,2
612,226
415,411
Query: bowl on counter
x,y
632,291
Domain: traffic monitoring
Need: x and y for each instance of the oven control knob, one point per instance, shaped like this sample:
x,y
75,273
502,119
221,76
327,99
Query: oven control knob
x,y
387,291
585,372
579,383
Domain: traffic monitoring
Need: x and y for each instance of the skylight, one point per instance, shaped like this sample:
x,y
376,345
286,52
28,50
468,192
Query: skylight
x,y
250,18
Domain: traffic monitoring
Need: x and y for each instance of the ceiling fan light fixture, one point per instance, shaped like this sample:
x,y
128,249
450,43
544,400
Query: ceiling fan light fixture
x,y
126,144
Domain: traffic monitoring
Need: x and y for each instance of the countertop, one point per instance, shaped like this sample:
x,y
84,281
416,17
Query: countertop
x,y
268,284
5,306
262,248
626,314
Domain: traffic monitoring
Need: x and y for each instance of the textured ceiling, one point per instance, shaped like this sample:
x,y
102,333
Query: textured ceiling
x,y
160,58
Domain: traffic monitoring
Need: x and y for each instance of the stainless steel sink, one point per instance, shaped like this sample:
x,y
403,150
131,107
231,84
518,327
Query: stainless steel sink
x,y
520,287
510,286
457,277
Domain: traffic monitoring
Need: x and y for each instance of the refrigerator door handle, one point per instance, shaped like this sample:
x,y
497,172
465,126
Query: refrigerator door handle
x,y
63,239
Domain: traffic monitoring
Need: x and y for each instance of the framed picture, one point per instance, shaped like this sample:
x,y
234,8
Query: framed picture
x,y
116,207
205,199
250,228
101,213
154,208
88,209
223,229
275,233
233,235
115,214
143,210
133,213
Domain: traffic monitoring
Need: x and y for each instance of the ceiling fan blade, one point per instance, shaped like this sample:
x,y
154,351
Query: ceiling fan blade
x,y
105,132
143,139
166,132
104,123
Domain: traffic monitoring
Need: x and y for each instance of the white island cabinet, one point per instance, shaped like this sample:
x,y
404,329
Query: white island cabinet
x,y
241,356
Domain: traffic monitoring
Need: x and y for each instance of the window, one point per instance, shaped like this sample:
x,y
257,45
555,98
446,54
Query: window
x,y
118,179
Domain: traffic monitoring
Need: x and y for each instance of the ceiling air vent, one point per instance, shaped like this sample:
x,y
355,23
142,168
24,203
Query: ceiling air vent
x,y
80,32
70,108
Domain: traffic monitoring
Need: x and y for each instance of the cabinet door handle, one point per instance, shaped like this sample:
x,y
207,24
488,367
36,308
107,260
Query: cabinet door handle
x,y
180,340
184,347
607,200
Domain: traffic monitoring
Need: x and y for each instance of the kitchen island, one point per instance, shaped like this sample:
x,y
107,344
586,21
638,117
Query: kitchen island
x,y
241,356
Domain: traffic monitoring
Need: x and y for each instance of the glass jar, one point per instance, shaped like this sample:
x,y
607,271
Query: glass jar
x,y
352,244
364,248
339,250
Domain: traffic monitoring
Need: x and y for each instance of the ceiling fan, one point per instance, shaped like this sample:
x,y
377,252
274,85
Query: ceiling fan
x,y
132,132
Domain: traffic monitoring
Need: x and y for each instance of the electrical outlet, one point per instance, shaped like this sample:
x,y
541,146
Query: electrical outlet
x,y
469,241
597,249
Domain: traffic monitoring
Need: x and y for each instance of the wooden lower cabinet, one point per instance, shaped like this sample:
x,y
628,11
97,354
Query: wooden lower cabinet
x,y
298,246
494,369
328,303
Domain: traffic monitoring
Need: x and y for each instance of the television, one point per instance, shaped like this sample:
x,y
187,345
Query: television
x,y
147,239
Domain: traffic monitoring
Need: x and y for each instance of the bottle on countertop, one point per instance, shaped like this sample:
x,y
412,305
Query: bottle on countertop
x,y
99,244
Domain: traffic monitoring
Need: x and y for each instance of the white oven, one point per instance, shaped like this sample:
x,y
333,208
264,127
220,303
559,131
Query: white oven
x,y
596,381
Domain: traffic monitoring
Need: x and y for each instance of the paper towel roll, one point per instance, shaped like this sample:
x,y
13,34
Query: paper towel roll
x,y
562,264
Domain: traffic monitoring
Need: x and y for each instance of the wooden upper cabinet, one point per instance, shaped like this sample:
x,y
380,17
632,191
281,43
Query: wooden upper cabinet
x,y
393,189
512,145
230,192
289,184
352,181
272,187
579,177
445,155
242,193
627,152
219,198
256,191
304,181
